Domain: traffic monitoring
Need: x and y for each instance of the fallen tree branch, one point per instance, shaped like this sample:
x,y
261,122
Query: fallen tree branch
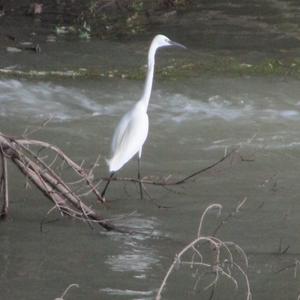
x,y
46,179
79,170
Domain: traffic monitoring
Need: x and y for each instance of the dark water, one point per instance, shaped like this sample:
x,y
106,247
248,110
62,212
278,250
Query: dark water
x,y
193,122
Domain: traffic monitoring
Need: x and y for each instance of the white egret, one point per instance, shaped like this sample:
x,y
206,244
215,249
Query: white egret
x,y
132,130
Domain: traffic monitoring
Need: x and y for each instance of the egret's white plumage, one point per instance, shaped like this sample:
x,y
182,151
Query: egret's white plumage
x,y
132,130
129,137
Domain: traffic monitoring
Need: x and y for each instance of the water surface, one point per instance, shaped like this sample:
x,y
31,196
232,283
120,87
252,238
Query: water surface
x,y
192,123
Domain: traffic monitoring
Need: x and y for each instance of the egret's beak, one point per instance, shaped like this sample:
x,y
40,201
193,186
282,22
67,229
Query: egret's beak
x,y
177,45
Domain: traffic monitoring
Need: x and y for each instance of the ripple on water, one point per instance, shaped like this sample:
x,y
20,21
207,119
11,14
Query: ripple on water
x,y
182,108
179,108
130,293
42,100
135,255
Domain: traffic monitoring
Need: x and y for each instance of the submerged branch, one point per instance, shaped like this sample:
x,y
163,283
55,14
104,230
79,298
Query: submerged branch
x,y
4,185
221,263
46,179
168,181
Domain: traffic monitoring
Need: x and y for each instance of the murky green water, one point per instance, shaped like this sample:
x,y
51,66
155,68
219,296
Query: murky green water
x,y
193,120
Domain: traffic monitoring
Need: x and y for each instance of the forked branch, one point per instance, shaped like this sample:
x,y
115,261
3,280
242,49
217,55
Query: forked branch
x,y
223,261
45,177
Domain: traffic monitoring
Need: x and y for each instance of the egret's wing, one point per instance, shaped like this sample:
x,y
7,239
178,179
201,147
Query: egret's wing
x,y
119,132
129,138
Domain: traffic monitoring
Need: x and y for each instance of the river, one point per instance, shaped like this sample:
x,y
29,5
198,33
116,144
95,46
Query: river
x,y
194,121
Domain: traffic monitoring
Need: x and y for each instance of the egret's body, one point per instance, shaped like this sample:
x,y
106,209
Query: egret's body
x,y
129,137
132,130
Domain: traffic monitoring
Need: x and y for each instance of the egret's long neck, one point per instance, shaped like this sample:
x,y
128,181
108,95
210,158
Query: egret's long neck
x,y
149,78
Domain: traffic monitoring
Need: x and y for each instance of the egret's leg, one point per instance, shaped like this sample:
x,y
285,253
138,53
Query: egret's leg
x,y
107,184
139,175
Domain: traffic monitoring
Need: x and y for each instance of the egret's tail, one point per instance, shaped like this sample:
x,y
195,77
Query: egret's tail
x,y
109,162
115,163
112,164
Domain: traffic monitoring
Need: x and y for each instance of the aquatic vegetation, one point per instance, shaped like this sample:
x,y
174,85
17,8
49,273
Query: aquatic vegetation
x,y
175,69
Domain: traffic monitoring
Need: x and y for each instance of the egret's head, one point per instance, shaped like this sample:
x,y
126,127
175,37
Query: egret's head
x,y
162,41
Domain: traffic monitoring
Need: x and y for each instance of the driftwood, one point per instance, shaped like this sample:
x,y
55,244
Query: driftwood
x,y
46,179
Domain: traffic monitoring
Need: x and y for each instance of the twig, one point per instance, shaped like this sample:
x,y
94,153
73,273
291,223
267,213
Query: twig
x,y
218,206
4,185
65,158
48,186
249,294
67,290
177,260
44,124
218,265
228,154
230,215
167,182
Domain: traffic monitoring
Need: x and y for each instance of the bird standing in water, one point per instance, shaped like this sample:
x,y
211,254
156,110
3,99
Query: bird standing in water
x,y
132,130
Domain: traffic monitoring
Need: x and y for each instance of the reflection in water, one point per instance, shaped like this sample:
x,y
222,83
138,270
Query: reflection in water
x,y
138,262
142,295
135,256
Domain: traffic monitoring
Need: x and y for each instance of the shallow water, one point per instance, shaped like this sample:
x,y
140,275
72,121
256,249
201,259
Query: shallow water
x,y
192,123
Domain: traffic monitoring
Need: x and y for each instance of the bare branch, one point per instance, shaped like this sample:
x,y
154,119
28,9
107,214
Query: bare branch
x,y
221,259
167,181
67,290
65,199
4,185
66,159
